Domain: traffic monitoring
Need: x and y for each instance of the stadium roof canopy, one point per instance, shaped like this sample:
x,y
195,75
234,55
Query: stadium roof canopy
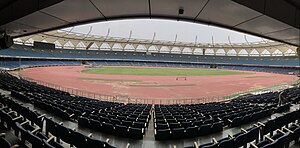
x,y
71,40
272,19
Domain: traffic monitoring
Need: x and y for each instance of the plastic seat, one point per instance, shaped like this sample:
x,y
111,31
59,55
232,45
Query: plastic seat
x,y
141,120
135,133
51,127
246,119
104,119
83,121
198,123
160,121
174,125
94,117
55,144
164,134
191,132
186,124
269,127
279,143
205,129
236,122
127,123
115,121
178,133
107,128
240,139
78,140
34,140
208,121
209,145
47,145
91,142
262,143
24,134
171,120
107,145
226,143
64,133
161,126
138,125
95,125
121,130
252,134
295,135
217,127
4,143
277,135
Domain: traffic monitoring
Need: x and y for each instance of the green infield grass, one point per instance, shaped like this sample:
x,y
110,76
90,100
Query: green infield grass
x,y
261,77
147,71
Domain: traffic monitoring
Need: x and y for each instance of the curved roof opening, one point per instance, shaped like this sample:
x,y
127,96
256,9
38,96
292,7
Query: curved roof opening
x,y
156,35
163,30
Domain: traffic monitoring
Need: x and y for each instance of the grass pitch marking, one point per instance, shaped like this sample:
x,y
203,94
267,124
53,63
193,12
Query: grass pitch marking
x,y
160,85
159,71
261,77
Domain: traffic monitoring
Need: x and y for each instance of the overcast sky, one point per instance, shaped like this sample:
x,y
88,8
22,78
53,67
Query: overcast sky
x,y
165,30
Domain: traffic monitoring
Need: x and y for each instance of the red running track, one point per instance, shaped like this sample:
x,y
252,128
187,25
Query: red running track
x,y
155,87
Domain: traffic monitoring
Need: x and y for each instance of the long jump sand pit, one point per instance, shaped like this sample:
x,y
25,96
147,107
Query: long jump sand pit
x,y
155,87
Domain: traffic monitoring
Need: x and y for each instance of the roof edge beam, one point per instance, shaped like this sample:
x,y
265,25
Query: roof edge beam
x,y
17,9
266,6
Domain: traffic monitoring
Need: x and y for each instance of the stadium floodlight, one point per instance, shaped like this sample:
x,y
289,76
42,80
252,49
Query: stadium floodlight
x,y
130,34
89,45
180,11
108,31
196,40
5,41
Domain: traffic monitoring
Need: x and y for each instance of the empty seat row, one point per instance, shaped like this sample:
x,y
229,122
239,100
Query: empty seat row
x,y
23,128
119,130
281,137
115,118
189,132
72,137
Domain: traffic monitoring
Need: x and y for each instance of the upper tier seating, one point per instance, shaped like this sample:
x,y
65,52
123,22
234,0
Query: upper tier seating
x,y
16,63
12,64
28,51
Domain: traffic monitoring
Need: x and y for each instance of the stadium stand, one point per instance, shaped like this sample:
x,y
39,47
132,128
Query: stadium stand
x,y
131,120
170,122
28,127
188,121
38,114
30,52
128,120
25,63
26,56
274,133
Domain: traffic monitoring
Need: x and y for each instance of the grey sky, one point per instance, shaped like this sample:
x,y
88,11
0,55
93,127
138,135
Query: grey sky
x,y
165,30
